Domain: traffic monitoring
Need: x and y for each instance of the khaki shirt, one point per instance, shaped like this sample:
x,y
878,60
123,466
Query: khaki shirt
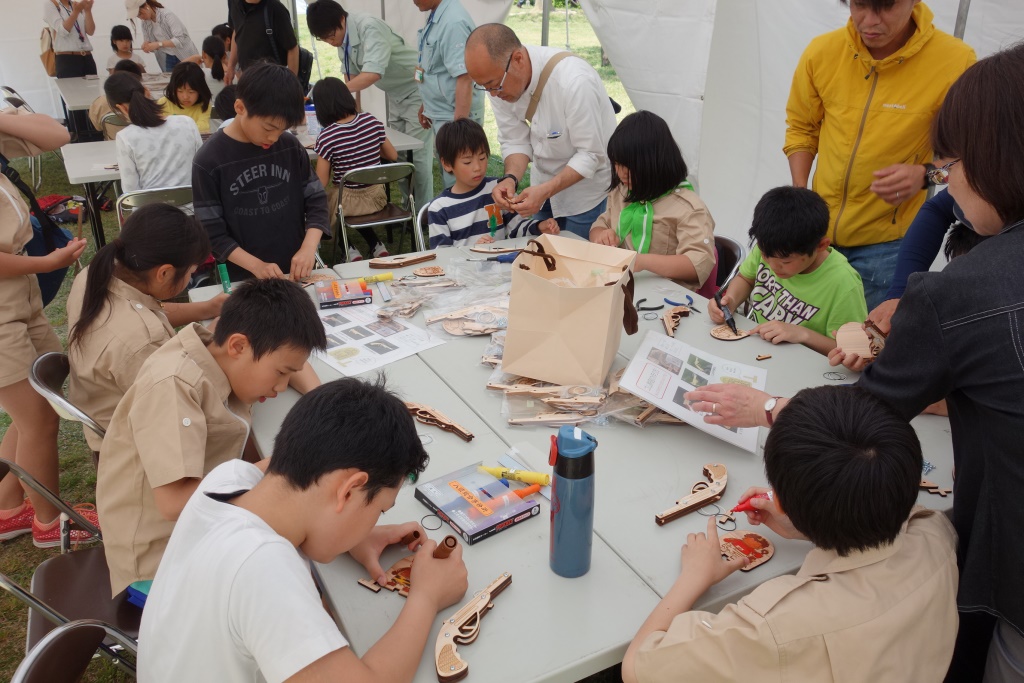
x,y
105,362
15,229
887,614
178,420
682,225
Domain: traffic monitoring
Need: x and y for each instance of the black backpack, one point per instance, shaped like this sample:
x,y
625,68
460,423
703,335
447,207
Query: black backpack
x,y
305,56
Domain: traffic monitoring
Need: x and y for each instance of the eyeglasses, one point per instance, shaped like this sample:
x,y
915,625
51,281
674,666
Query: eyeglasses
x,y
501,83
940,175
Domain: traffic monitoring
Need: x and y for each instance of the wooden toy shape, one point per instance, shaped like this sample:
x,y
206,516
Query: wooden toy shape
x,y
934,489
462,628
574,418
481,249
654,415
429,271
864,340
431,416
400,261
723,333
754,547
672,317
701,494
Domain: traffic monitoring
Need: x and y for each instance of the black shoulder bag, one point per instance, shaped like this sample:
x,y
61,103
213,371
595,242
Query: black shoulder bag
x,y
305,56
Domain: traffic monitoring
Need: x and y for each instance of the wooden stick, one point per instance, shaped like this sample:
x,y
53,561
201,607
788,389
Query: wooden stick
x,y
445,547
81,213
410,537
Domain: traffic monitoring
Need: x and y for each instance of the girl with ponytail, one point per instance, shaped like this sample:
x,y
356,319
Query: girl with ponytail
x,y
116,314
154,150
212,60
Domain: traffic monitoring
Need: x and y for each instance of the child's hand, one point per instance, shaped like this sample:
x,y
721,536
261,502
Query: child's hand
x,y
715,313
267,271
702,558
605,236
777,332
367,552
485,239
302,264
444,582
769,514
65,256
851,361
549,227
213,307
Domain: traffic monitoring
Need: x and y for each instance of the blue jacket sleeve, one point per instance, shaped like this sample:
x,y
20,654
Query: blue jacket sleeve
x,y
922,242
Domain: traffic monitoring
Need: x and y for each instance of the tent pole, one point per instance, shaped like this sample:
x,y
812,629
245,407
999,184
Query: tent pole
x,y
545,25
961,19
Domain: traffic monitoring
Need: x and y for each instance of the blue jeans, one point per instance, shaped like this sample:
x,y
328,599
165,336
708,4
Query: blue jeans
x,y
170,61
876,264
578,224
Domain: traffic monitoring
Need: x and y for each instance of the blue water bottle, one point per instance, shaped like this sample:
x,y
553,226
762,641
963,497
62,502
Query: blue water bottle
x,y
572,501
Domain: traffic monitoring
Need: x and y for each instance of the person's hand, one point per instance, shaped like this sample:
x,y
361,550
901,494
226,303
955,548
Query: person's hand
x,y
730,405
882,314
229,75
302,263
503,193
715,313
485,239
86,5
605,236
367,552
777,332
424,121
897,183
150,47
850,361
549,226
702,558
267,271
767,512
214,305
443,582
529,201
65,256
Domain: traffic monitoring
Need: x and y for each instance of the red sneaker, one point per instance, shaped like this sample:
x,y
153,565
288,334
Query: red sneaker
x,y
49,537
19,524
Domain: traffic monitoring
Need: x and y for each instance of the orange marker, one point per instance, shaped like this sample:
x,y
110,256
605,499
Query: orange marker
x,y
508,499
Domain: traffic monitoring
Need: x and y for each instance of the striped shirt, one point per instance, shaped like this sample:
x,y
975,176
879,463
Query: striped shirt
x,y
459,220
351,145
167,26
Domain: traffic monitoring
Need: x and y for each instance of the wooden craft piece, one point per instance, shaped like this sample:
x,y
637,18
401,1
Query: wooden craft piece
x,y
406,310
318,277
372,585
723,333
445,547
429,271
515,381
672,317
492,316
574,418
654,415
867,341
574,402
400,261
462,628
410,537
464,328
754,547
434,417
398,576
701,494
934,489
490,360
763,356
480,249
613,382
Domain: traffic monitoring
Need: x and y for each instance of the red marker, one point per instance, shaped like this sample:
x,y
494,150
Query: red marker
x,y
745,506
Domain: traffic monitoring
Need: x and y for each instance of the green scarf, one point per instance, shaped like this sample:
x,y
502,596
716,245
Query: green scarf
x,y
637,221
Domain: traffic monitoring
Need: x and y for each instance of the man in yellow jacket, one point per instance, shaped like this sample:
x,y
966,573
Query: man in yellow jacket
x,y
862,101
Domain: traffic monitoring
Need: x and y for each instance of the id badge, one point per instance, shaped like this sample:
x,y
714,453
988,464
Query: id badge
x,y
417,75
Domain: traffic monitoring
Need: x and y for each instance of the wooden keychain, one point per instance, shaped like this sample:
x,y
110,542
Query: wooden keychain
x,y
723,333
748,544
866,340
429,271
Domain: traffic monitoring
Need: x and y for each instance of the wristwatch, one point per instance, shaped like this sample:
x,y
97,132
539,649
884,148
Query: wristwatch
x,y
769,406
928,168
509,175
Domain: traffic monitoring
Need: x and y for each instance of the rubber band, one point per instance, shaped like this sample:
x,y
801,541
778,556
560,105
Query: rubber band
x,y
650,316
834,376
430,528
425,439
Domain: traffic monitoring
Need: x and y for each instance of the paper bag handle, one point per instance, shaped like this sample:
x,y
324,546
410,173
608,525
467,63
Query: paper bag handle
x,y
549,259
630,318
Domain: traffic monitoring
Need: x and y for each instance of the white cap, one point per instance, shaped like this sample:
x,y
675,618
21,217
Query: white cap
x,y
132,8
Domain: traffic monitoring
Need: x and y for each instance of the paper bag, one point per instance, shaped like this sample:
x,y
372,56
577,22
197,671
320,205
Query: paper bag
x,y
568,334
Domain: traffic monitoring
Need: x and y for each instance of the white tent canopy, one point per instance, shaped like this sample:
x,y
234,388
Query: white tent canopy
x,y
717,70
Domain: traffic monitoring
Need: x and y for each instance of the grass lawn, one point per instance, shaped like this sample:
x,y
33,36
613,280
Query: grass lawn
x,y
18,558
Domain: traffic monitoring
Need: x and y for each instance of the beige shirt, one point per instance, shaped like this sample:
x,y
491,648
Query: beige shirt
x,y
682,225
105,362
15,229
99,108
887,614
178,420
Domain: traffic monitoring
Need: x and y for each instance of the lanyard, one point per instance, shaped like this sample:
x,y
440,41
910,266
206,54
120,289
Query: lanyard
x,y
344,48
423,36
60,5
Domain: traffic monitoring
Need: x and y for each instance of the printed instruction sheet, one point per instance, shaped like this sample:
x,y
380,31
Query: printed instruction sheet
x,y
357,340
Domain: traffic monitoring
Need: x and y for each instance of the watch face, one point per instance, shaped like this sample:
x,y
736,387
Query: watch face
x,y
769,405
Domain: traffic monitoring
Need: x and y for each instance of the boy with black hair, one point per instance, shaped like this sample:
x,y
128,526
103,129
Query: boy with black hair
x,y
234,599
875,598
224,104
801,289
465,214
188,411
253,187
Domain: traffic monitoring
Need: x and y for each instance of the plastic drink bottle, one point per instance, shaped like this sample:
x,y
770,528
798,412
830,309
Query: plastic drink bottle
x,y
572,501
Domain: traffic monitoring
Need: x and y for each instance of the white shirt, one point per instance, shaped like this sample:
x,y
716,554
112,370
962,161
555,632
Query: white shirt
x,y
64,40
571,127
148,158
233,601
215,85
167,26
114,59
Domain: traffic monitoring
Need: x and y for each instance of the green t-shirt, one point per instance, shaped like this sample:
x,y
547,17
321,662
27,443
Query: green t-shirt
x,y
822,301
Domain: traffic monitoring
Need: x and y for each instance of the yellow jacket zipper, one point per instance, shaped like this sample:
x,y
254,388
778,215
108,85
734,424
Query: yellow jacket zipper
x,y
853,154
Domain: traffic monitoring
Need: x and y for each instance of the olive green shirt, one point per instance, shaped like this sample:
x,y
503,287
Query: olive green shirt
x,y
371,46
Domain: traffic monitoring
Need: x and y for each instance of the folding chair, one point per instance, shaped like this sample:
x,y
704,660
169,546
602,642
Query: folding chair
x,y
63,655
47,377
423,223
35,166
111,124
391,214
730,255
180,197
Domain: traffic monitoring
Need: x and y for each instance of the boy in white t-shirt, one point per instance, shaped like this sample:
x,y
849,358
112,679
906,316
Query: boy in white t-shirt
x,y
234,600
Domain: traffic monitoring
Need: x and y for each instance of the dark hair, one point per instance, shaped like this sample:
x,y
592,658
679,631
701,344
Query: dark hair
x,y
981,123
333,101
500,41
222,31
191,75
271,91
876,5
789,220
154,235
213,47
845,467
119,32
224,103
959,240
348,423
462,136
272,314
323,17
129,67
154,4
643,143
127,88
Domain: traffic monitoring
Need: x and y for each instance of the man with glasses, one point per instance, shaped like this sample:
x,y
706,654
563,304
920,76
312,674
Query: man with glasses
x,y
862,102
566,137
372,54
